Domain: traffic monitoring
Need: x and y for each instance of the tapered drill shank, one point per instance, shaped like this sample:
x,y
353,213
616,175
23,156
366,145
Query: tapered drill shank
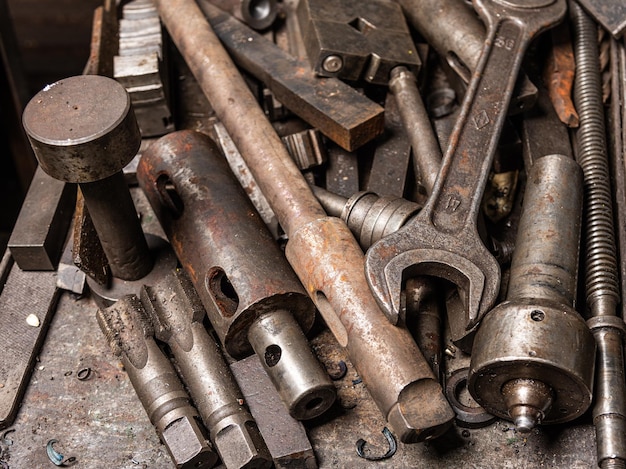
x,y
177,314
322,251
130,336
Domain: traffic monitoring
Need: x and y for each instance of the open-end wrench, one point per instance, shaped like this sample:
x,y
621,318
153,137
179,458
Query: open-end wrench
x,y
443,240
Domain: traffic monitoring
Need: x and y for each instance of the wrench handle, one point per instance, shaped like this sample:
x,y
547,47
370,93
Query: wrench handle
x,y
456,196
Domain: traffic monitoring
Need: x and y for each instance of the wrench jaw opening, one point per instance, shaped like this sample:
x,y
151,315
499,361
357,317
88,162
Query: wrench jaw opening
x,y
389,265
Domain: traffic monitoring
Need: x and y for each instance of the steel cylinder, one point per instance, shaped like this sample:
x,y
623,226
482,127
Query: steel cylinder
x,y
426,151
240,273
83,130
533,355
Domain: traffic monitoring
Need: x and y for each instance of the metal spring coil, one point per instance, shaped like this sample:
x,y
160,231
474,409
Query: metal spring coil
x,y
600,260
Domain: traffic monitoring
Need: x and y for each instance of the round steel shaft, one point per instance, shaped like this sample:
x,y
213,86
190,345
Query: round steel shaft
x,y
600,254
426,151
83,130
533,355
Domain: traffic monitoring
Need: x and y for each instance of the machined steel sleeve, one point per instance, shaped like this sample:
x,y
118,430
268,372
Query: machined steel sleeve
x,y
543,266
231,258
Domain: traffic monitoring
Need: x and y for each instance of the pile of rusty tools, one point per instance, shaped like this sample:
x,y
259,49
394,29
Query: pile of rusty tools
x,y
432,177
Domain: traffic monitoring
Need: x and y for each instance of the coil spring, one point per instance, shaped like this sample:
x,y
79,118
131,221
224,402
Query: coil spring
x,y
601,280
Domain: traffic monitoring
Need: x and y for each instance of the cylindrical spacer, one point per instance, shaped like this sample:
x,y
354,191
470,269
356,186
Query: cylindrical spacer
x,y
83,130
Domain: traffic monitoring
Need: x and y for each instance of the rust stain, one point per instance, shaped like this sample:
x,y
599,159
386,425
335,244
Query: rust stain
x,y
558,75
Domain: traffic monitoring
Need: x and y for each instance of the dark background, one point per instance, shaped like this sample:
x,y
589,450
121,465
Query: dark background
x,y
41,41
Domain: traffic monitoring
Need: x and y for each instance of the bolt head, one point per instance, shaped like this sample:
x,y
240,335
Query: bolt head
x,y
332,64
187,444
241,445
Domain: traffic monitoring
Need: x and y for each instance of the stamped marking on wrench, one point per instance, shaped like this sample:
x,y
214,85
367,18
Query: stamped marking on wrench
x,y
443,240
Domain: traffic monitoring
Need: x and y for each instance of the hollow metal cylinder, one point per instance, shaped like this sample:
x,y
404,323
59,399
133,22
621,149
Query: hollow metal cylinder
x,y
533,356
240,274
83,130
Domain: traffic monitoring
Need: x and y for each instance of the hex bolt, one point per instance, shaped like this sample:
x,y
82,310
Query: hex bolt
x,y
83,130
533,355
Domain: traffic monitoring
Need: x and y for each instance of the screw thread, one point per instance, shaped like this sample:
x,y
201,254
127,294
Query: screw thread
x,y
601,280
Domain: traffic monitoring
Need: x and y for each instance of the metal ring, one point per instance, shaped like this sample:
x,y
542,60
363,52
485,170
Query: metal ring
x,y
84,374
393,447
466,416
